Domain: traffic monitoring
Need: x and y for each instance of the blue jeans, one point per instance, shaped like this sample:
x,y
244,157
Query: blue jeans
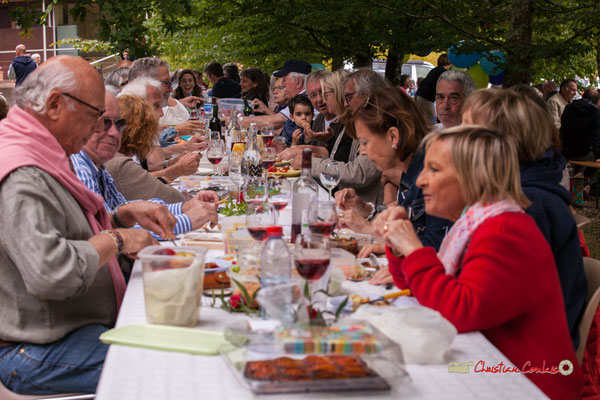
x,y
69,365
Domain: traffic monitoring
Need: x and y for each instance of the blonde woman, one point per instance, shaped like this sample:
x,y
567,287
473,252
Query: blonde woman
x,y
494,271
541,168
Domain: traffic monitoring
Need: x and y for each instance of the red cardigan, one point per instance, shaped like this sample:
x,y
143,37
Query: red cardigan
x,y
508,289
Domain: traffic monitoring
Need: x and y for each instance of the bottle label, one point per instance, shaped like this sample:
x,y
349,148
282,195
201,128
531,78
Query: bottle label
x,y
208,109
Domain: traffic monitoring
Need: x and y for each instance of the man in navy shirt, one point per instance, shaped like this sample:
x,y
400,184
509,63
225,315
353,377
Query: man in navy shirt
x,y
222,87
21,66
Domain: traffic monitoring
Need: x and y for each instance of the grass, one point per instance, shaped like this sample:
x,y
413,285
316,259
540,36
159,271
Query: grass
x,y
591,231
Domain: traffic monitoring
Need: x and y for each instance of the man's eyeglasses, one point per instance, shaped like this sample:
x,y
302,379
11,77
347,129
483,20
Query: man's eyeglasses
x,y
119,123
454,99
167,83
99,111
348,96
278,88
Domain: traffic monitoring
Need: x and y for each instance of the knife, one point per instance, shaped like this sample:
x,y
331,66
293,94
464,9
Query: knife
x,y
405,292
374,261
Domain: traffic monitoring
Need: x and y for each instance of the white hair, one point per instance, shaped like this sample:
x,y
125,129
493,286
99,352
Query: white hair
x,y
295,75
35,56
138,87
38,85
112,90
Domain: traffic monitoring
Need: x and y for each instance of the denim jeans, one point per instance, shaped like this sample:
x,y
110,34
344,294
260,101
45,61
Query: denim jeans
x,y
69,365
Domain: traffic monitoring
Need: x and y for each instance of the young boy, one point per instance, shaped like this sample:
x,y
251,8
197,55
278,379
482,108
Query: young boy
x,y
297,129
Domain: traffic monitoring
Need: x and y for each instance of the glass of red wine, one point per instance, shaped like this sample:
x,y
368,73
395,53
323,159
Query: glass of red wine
x,y
215,152
253,190
312,256
267,135
279,193
322,217
259,217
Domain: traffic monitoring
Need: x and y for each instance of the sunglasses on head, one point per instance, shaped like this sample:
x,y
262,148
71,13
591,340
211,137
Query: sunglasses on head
x,y
119,123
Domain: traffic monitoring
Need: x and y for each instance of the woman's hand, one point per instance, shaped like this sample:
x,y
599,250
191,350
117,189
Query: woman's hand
x,y
347,199
260,107
196,143
191,101
352,220
187,163
151,216
189,128
135,240
375,248
400,236
390,214
382,277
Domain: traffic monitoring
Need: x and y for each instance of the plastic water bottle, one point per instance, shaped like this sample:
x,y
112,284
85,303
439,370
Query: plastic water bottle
x,y
275,260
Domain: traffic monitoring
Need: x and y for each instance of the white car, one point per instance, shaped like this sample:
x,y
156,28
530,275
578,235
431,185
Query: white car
x,y
414,68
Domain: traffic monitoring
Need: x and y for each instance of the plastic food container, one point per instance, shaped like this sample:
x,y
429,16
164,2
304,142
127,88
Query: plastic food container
x,y
173,284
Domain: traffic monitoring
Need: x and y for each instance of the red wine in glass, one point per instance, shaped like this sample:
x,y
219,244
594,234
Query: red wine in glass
x,y
258,233
268,163
279,205
312,269
267,139
255,201
215,160
324,228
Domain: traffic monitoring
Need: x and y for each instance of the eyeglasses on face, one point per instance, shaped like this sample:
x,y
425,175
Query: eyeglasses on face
x,y
348,96
99,111
327,93
454,99
119,123
278,88
167,83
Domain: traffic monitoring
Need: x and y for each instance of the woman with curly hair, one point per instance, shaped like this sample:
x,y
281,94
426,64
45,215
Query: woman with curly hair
x,y
140,135
187,85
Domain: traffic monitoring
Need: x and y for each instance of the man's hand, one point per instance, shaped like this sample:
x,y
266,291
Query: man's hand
x,y
382,277
290,153
323,137
201,212
347,199
196,143
189,128
260,107
207,196
135,240
151,216
376,248
187,163
191,101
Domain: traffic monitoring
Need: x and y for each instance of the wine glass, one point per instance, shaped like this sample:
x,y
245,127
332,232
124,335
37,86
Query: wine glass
x,y
267,134
259,217
215,152
235,171
254,190
279,193
330,177
312,256
322,217
268,157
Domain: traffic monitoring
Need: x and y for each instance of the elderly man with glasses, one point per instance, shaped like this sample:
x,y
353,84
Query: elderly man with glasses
x,y
62,284
102,147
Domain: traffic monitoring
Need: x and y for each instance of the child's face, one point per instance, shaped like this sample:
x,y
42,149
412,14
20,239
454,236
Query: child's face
x,y
302,113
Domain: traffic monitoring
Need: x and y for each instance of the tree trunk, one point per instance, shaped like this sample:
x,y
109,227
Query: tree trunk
x,y
337,62
597,63
363,60
519,44
391,66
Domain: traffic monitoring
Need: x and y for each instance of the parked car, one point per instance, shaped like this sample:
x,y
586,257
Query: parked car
x,y
415,68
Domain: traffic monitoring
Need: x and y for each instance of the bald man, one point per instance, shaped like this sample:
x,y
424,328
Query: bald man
x,y
21,66
62,283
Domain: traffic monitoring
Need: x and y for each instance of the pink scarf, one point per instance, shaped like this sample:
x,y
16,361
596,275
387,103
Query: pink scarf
x,y
26,142
455,244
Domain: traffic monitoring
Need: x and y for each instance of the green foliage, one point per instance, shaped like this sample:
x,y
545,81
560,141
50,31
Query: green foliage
x,y
86,45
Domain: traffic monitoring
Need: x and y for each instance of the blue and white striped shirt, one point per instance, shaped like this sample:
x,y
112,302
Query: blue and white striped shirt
x,y
90,175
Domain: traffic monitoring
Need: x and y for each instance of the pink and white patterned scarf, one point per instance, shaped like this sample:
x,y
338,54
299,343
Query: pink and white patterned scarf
x,y
455,244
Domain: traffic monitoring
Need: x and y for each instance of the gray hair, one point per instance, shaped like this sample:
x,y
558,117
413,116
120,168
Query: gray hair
x,y
462,78
138,87
367,81
38,85
147,66
295,75
317,75
117,76
113,91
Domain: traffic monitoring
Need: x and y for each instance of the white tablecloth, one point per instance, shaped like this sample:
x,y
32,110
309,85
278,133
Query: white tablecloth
x,y
136,373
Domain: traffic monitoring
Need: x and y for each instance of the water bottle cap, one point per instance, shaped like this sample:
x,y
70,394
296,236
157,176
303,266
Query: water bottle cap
x,y
275,231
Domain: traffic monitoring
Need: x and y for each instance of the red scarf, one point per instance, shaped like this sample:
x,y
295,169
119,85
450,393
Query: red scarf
x,y
26,142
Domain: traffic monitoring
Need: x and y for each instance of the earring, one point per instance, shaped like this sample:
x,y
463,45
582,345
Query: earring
x,y
395,146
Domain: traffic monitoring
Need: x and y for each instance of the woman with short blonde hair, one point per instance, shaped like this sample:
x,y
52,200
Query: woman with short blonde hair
x,y
541,169
494,271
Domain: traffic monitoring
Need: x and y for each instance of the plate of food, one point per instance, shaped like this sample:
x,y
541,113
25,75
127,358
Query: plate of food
x,y
219,264
283,171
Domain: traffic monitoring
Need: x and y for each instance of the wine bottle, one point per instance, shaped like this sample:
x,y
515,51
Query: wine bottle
x,y
215,122
251,159
248,111
304,192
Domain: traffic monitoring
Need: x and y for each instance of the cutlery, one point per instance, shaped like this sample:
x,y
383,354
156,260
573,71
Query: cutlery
x,y
405,292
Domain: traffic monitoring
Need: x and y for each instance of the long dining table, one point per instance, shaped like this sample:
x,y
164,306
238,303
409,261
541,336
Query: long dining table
x,y
141,373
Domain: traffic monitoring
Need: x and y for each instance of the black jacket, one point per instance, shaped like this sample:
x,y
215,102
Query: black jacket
x,y
580,129
23,66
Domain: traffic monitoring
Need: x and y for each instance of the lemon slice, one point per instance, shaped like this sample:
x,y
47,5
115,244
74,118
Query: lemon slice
x,y
239,147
